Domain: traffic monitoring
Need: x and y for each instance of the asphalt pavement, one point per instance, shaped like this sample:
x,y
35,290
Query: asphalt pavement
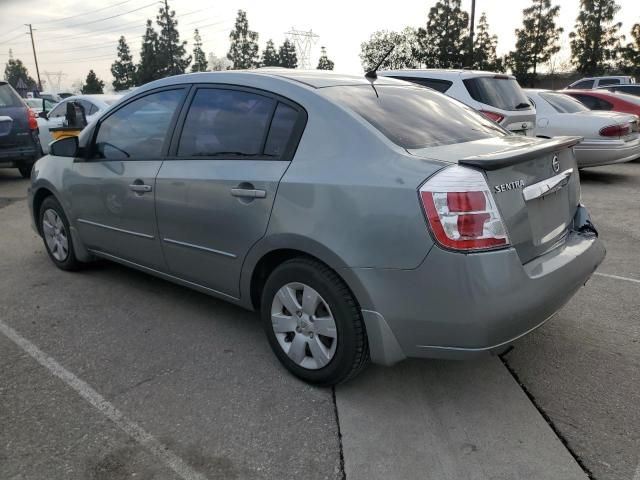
x,y
109,373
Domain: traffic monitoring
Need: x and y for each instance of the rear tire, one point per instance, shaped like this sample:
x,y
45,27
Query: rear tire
x,y
324,340
56,234
25,170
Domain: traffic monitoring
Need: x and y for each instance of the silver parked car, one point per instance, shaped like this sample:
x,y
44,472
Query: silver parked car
x,y
363,219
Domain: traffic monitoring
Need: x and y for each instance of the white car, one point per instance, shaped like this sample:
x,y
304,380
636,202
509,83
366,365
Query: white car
x,y
94,105
497,96
39,104
609,137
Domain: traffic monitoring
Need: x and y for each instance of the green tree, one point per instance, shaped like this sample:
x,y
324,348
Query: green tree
x,y
14,71
243,51
287,55
199,59
172,58
484,48
630,62
444,41
595,43
324,63
123,69
269,55
148,69
536,41
402,56
92,84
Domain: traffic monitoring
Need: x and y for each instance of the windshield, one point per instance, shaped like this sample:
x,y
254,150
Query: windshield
x,y
563,103
8,97
415,117
499,91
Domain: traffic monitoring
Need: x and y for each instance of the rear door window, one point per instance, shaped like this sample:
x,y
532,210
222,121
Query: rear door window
x,y
8,97
498,91
226,123
609,81
434,83
414,117
281,130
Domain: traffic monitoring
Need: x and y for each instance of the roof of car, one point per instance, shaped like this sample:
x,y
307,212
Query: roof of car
x,y
442,73
310,78
96,97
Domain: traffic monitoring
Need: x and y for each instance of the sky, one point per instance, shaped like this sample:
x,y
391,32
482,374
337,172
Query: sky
x,y
73,36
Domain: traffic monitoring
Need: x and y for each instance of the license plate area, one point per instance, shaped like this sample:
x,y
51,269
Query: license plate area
x,y
549,217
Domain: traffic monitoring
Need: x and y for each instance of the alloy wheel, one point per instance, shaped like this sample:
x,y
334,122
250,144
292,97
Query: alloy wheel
x,y
55,235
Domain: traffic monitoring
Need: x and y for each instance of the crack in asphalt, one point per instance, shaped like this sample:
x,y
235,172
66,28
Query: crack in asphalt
x,y
343,471
546,417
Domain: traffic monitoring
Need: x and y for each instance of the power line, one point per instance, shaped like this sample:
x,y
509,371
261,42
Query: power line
x,y
105,18
12,30
83,14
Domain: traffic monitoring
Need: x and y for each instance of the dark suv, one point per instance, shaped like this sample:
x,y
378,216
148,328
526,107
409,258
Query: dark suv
x,y
19,143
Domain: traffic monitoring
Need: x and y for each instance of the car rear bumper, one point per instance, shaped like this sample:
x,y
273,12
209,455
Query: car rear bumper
x,y
15,156
594,153
458,306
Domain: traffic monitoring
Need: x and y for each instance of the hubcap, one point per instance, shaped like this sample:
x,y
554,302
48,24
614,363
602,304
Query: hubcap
x,y
55,235
304,325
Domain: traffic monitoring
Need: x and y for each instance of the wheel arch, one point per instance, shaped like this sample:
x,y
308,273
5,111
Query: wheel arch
x,y
271,252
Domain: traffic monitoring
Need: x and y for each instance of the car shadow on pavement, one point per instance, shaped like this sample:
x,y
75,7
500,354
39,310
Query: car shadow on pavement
x,y
596,176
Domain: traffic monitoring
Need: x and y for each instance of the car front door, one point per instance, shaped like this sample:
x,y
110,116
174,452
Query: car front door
x,y
215,192
112,190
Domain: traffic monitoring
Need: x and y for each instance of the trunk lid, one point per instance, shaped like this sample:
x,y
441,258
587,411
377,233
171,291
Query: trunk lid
x,y
534,183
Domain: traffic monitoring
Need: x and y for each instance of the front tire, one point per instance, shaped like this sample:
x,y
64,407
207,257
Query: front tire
x,y
56,234
313,323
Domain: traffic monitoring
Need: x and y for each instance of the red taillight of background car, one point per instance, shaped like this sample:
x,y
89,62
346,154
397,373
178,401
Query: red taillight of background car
x,y
496,117
461,211
616,130
33,119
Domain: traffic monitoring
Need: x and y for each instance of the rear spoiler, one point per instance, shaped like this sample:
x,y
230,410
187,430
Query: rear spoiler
x,y
496,160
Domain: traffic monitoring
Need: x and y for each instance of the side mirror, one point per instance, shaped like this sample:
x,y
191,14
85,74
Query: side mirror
x,y
65,147
43,114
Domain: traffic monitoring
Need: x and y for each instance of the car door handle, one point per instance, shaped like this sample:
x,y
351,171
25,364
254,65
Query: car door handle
x,y
248,193
140,188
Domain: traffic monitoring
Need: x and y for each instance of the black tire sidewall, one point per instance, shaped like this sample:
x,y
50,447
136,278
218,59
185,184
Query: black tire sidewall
x,y
50,203
345,314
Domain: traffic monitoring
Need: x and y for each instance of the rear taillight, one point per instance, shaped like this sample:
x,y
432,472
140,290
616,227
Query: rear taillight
x,y
496,117
615,130
461,211
33,120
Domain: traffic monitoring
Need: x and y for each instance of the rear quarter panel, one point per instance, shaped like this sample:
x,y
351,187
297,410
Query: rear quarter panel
x,y
354,193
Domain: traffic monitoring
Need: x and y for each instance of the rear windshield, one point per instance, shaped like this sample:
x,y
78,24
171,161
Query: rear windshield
x,y
415,117
564,103
500,92
8,96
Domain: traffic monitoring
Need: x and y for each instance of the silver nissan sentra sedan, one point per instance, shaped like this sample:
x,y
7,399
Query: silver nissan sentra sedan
x,y
365,218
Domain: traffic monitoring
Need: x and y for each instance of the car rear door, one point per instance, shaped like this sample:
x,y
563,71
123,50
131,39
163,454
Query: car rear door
x,y
112,191
215,192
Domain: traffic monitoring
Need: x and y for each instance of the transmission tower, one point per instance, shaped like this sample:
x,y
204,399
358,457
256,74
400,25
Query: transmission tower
x,y
303,41
54,85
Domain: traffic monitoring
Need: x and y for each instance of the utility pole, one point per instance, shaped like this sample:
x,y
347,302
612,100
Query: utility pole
x,y
35,57
472,31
